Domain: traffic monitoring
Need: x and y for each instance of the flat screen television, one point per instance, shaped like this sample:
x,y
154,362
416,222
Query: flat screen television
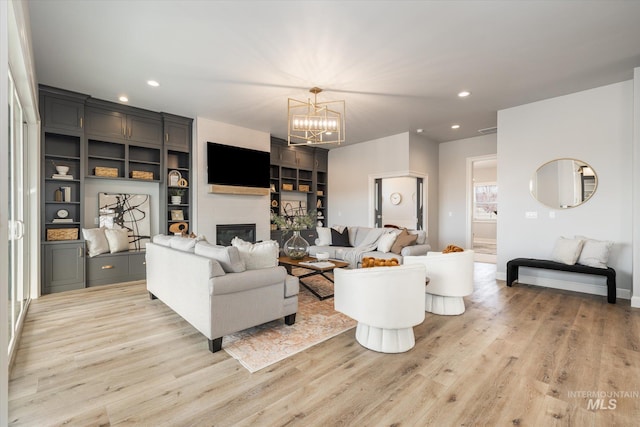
x,y
236,166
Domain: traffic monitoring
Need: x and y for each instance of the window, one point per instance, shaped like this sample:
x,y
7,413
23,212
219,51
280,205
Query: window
x,y
485,201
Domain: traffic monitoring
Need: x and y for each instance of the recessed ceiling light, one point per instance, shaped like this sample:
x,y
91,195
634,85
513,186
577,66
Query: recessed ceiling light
x,y
464,94
455,126
153,83
123,99
419,130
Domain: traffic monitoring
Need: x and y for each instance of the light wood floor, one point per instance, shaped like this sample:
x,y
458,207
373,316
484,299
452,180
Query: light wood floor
x,y
518,356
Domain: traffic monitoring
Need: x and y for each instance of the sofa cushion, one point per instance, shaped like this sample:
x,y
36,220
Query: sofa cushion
x,y
324,236
96,241
185,244
567,251
227,256
403,239
257,255
118,239
422,236
340,238
162,239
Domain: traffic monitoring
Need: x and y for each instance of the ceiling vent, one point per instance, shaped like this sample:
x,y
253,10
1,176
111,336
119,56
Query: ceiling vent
x,y
487,131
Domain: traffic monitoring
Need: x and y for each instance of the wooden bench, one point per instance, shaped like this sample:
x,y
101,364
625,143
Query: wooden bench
x,y
609,273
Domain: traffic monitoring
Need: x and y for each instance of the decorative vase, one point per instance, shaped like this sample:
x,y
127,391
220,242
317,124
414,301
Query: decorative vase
x,y
176,200
296,247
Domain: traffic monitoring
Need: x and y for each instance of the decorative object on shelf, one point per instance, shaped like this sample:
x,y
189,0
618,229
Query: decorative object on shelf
x,y
395,198
174,178
319,203
272,188
62,213
176,195
126,211
62,234
320,193
274,203
108,172
177,215
319,224
287,187
61,169
179,228
315,122
182,182
303,188
142,175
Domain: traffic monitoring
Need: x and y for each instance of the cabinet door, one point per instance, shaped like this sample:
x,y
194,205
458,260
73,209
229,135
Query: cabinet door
x,y
63,114
288,157
63,267
322,160
305,159
107,123
177,135
144,129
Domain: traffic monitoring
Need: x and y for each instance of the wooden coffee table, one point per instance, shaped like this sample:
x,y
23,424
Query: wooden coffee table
x,y
289,264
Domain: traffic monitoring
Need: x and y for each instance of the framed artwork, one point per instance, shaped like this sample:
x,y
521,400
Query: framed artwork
x,y
293,207
129,212
177,215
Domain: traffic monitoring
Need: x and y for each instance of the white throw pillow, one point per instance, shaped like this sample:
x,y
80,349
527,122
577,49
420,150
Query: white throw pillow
x,y
422,236
595,253
186,244
386,241
324,236
257,255
96,241
118,239
567,251
162,239
227,256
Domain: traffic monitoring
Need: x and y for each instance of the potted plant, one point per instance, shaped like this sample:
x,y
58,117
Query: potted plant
x,y
176,195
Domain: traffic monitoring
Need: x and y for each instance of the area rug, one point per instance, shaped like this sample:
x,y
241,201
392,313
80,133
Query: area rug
x,y
261,346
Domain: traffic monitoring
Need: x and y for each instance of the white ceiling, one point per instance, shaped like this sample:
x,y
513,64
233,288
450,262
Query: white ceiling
x,y
398,65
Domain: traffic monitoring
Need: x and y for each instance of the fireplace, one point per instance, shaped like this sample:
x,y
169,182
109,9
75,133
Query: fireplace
x,y
226,232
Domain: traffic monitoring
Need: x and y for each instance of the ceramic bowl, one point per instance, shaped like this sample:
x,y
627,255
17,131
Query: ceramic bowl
x,y
322,256
62,170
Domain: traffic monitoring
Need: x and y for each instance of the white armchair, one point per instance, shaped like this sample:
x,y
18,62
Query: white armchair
x,y
387,302
450,278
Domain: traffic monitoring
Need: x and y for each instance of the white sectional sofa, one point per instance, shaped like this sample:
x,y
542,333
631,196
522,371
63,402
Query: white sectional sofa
x,y
369,242
220,290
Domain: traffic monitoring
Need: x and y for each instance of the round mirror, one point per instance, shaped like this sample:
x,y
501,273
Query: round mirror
x,y
563,183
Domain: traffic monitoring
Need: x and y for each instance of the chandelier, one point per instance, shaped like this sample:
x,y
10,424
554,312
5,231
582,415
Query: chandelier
x,y
315,122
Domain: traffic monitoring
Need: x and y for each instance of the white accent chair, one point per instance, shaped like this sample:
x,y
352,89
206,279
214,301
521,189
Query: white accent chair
x,y
450,278
387,302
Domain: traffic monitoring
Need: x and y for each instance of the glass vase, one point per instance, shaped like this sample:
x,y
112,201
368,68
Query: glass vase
x,y
296,247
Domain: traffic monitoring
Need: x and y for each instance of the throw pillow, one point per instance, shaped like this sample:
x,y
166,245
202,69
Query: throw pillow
x,y
403,239
422,236
324,236
118,239
595,253
257,255
566,250
227,256
340,238
96,241
183,243
386,241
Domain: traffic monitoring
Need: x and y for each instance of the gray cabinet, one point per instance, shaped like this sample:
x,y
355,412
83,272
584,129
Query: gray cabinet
x,y
177,132
63,266
305,159
116,268
116,124
63,114
321,159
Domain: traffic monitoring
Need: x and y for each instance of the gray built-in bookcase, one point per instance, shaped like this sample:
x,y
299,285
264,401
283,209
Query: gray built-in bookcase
x,y
101,140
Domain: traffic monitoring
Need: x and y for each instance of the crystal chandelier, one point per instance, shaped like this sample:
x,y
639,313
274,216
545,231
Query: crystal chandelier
x,y
315,122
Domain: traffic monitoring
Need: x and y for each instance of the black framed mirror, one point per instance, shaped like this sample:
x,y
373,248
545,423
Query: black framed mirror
x,y
563,183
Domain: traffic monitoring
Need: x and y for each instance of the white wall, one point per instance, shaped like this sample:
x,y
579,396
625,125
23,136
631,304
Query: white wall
x,y
404,213
423,159
350,168
635,300
212,209
453,186
594,126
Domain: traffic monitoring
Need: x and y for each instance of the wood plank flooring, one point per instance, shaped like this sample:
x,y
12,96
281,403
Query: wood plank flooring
x,y
524,356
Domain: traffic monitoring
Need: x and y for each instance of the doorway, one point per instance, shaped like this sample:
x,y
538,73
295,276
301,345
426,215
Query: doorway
x,y
399,202
482,200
